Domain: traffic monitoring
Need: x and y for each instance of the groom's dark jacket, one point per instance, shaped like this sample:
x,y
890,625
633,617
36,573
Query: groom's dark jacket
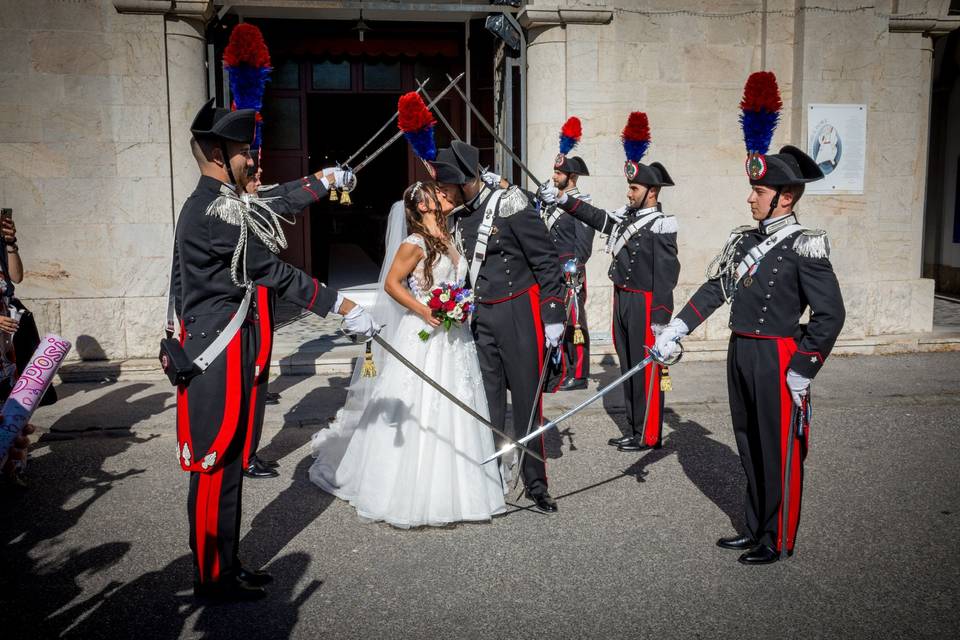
x,y
520,254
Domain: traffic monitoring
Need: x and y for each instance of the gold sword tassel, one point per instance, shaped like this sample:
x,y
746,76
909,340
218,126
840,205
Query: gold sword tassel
x,y
369,368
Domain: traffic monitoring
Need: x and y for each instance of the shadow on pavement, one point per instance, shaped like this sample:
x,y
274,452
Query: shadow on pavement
x,y
712,467
47,578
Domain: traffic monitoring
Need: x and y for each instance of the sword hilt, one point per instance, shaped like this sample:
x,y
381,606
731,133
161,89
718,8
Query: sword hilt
x,y
666,362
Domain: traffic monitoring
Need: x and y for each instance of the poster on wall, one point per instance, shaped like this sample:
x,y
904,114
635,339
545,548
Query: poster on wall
x,y
837,141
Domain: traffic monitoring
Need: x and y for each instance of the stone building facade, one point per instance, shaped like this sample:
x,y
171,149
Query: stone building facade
x,y
96,98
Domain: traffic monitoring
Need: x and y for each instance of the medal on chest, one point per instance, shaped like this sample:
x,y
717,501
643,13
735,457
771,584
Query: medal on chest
x,y
748,279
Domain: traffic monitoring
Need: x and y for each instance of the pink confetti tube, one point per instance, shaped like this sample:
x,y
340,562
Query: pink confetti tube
x,y
29,389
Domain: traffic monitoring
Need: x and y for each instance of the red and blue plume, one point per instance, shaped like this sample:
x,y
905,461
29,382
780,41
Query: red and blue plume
x,y
570,134
760,111
636,136
247,63
416,122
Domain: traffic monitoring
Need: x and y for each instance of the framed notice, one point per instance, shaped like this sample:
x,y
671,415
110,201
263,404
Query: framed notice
x,y
837,141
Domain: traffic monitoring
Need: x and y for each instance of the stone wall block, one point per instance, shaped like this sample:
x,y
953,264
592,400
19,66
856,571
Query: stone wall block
x,y
97,328
46,313
20,123
144,320
90,54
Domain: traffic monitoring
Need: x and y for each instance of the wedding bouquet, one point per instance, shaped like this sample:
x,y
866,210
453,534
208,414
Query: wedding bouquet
x,y
451,303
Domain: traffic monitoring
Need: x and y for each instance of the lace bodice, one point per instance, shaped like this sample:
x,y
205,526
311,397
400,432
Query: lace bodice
x,y
445,269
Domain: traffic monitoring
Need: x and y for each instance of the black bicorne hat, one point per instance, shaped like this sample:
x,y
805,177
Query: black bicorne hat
x,y
223,124
648,175
574,164
789,166
457,164
445,169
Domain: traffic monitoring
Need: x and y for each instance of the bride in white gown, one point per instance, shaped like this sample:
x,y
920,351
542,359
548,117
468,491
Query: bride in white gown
x,y
398,451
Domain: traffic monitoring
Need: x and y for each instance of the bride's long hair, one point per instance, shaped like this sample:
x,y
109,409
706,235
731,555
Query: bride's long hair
x,y
426,193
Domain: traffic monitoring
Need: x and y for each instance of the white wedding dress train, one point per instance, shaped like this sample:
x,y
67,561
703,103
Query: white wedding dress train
x,y
407,455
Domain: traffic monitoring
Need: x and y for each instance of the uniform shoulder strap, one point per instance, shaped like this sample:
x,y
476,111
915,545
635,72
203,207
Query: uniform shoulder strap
x,y
812,243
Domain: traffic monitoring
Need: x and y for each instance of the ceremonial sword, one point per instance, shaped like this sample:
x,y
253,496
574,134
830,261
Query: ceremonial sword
x,y
652,357
495,135
396,136
452,398
420,89
440,115
801,414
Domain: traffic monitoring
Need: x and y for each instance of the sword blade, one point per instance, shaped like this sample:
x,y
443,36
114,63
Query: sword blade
x,y
496,136
785,507
443,119
396,136
449,396
396,114
577,409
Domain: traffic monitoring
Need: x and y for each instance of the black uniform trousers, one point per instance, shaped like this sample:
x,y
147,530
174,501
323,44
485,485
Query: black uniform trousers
x,y
762,411
214,498
631,336
510,347
576,357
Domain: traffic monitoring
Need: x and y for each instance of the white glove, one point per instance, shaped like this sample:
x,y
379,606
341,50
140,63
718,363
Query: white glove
x,y
329,171
671,334
553,333
549,194
799,386
492,179
359,322
617,216
346,180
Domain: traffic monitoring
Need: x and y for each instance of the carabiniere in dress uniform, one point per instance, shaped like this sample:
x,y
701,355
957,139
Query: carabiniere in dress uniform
x,y
644,270
770,273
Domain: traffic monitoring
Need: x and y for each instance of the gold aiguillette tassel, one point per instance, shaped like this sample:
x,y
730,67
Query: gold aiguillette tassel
x,y
345,198
369,368
333,195
577,335
666,384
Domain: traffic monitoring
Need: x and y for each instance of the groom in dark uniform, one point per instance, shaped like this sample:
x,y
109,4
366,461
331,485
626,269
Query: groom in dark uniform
x,y
213,408
518,287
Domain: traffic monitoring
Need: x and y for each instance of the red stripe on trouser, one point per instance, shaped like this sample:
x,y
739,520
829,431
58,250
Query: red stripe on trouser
x,y
183,414
534,294
231,403
786,347
578,372
651,432
579,349
206,523
266,339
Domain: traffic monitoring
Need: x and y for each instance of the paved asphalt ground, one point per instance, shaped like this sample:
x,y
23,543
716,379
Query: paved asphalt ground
x,y
97,546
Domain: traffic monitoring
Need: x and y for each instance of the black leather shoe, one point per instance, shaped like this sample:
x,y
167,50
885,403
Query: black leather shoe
x,y
760,554
637,445
255,578
229,590
267,464
543,502
573,384
254,471
737,543
616,442
271,398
